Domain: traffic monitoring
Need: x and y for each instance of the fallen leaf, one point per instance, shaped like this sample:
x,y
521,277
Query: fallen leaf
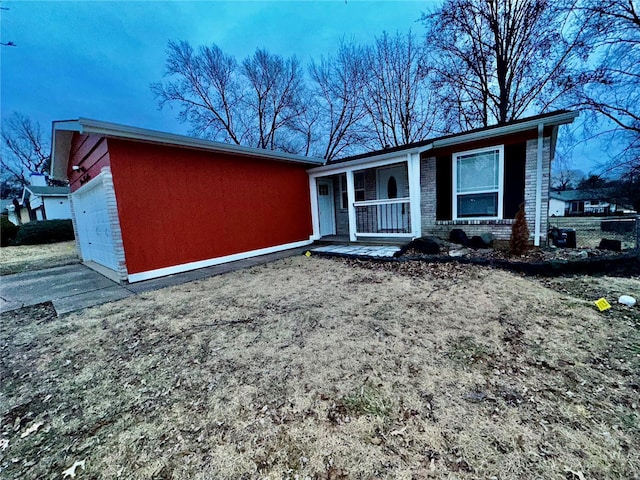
x,y
71,471
33,428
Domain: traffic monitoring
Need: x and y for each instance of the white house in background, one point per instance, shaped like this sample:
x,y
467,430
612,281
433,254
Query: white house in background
x,y
47,203
584,202
40,202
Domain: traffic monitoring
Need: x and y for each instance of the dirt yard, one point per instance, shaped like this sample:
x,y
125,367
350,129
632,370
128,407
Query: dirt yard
x,y
329,369
36,257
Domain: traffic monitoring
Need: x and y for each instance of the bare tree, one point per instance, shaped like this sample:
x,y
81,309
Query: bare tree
x,y
205,85
398,96
249,104
614,88
274,103
338,85
500,59
24,149
564,175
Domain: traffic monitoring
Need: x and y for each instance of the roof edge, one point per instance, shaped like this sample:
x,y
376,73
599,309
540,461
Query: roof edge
x,y
62,133
88,126
560,117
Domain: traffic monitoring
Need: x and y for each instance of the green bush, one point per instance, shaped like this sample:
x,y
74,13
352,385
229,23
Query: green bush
x,y
8,232
45,231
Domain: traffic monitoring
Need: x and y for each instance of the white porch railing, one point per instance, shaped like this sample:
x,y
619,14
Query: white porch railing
x,y
383,218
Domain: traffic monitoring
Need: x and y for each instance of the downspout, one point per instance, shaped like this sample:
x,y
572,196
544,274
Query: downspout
x,y
538,214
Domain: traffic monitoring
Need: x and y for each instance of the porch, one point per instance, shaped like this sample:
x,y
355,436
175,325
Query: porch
x,y
375,203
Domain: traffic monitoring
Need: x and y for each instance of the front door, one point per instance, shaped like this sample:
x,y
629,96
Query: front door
x,y
392,218
326,210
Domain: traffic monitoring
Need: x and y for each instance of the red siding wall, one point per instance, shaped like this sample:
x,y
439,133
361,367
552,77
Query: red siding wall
x,y
89,152
178,205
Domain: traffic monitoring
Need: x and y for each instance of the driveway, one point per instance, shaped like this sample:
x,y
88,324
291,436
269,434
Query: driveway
x,y
70,288
74,287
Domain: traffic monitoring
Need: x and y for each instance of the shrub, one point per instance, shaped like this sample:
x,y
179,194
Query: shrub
x,y
519,241
8,232
45,231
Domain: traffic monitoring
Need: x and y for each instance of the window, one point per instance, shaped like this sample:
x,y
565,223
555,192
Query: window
x,y
477,183
358,184
392,187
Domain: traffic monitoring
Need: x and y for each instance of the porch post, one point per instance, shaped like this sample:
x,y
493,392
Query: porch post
x,y
315,220
413,172
351,198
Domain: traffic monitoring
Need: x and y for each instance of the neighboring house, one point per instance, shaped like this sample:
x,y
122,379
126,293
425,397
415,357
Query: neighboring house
x,y
147,204
585,202
474,181
38,202
47,203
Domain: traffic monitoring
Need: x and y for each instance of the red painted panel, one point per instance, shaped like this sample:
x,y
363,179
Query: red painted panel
x,y
179,205
89,152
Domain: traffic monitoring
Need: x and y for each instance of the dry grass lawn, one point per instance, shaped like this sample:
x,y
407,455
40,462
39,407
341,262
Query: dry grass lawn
x,y
26,258
329,369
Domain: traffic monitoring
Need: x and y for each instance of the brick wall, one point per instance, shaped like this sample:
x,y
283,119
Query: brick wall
x,y
112,207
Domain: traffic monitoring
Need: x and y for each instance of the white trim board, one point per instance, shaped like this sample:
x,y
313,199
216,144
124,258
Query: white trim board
x,y
185,267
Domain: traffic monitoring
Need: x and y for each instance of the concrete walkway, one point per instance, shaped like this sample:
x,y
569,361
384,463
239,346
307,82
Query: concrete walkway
x,y
74,287
375,251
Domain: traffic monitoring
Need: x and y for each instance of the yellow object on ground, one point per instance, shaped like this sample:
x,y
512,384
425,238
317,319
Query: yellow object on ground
x,y
602,304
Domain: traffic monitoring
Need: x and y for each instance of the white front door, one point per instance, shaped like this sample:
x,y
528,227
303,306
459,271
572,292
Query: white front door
x,y
392,218
326,210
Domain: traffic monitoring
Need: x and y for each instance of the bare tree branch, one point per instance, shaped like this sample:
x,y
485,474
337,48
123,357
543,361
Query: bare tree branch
x,y
24,149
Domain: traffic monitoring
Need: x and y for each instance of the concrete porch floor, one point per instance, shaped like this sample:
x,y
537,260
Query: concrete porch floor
x,y
358,250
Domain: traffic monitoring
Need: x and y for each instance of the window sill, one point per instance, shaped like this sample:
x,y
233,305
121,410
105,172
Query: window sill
x,y
496,221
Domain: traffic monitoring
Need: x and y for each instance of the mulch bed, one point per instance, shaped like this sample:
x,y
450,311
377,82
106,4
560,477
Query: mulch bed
x,y
537,261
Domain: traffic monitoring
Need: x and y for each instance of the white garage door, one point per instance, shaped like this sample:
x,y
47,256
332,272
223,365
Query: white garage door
x,y
94,228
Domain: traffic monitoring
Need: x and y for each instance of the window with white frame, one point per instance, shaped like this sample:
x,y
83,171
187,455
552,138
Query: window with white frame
x,y
477,183
358,186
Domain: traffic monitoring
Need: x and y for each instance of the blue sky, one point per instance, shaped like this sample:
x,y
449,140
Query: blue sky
x,y
96,59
